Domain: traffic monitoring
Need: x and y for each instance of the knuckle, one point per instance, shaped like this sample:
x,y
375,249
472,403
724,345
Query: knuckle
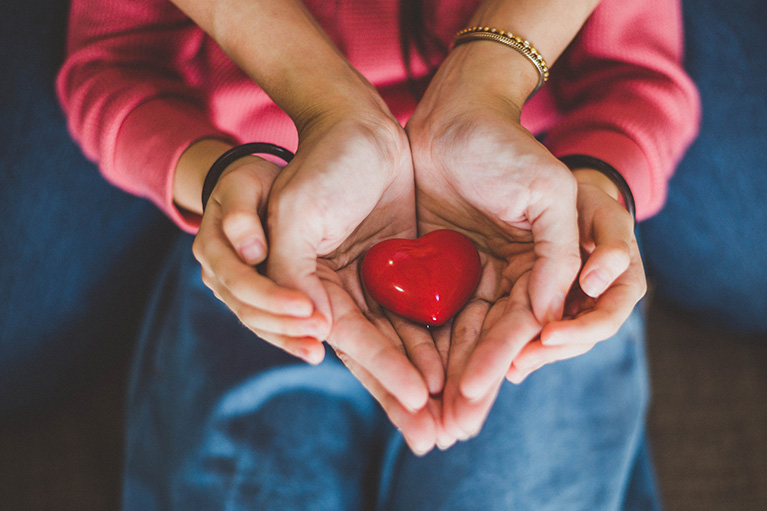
x,y
198,249
253,320
642,287
236,221
230,282
237,286
207,279
572,263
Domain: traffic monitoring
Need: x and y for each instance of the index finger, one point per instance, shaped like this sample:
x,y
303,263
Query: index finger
x,y
361,341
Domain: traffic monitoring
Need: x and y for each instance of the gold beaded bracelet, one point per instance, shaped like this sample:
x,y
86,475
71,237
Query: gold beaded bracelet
x,y
509,39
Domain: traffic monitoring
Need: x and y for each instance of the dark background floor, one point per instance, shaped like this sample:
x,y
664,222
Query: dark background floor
x,y
708,421
708,427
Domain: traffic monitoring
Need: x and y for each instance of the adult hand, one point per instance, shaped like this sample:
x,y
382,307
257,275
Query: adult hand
x,y
350,186
611,282
480,172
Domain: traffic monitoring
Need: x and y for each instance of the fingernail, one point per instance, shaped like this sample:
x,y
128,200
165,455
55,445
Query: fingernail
x,y
518,377
415,402
411,408
594,283
471,394
464,437
252,250
444,446
553,340
301,309
303,354
309,356
435,385
421,450
315,329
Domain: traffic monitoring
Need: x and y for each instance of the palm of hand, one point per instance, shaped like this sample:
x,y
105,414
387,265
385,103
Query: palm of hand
x,y
490,180
346,190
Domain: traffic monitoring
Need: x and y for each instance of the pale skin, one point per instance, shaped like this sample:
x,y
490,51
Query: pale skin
x,y
309,290
478,171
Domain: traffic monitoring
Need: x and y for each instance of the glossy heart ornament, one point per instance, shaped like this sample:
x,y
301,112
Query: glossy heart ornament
x,y
427,280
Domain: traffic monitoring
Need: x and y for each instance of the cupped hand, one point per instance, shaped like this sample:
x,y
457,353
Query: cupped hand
x,y
350,186
611,282
480,172
229,246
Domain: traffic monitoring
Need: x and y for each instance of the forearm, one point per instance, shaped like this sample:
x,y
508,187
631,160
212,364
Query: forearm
x,y
549,25
283,49
494,73
191,170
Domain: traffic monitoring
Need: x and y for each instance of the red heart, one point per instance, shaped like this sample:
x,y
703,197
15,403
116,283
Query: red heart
x,y
427,280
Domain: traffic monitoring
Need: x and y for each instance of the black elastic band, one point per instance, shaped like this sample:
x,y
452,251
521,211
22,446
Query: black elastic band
x,y
234,154
581,161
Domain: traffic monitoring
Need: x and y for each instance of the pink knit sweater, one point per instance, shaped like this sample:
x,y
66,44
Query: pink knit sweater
x,y
141,83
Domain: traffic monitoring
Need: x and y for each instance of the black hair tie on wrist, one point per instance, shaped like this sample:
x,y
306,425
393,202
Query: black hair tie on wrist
x,y
234,154
580,161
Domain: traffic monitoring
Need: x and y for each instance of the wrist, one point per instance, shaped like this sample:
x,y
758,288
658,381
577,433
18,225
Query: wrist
x,y
587,176
282,48
357,106
356,125
491,70
475,80
191,169
549,25
581,161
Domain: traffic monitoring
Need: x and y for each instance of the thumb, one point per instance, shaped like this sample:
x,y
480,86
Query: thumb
x,y
557,251
242,227
241,195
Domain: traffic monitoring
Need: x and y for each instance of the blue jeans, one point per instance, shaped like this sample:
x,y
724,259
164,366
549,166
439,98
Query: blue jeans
x,y
707,250
76,254
219,419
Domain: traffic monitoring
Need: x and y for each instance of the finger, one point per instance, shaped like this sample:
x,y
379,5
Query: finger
x,y
418,428
308,349
223,269
463,418
378,354
441,337
535,355
611,310
465,334
266,321
421,350
242,227
556,245
241,202
511,325
611,257
516,375
444,440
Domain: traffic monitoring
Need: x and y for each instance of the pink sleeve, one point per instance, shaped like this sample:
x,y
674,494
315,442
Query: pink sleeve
x,y
625,97
125,89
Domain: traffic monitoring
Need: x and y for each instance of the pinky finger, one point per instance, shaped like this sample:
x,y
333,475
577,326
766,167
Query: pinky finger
x,y
308,349
535,355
